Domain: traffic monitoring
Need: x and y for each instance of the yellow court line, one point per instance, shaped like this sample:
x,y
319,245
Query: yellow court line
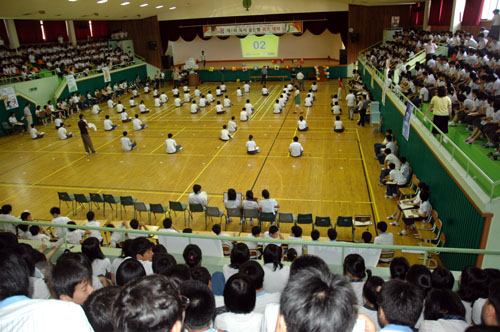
x,y
163,144
377,217
264,105
271,99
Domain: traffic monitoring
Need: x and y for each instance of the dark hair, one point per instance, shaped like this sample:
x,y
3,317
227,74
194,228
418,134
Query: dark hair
x,y
370,292
473,284
158,307
443,302
401,302
441,91
273,229
231,194
272,254
367,237
55,210
14,274
239,294
201,309
482,328
201,273
315,234
99,308
92,249
494,297
196,188
420,276
239,255
332,234
306,262
317,300
71,269
256,230
265,194
399,268
167,223
90,215
297,231
163,262
249,195
127,248
216,229
442,278
134,224
192,255
255,272
130,269
291,254
7,208
187,230
140,245
34,230
159,248
179,273
354,265
382,225
25,215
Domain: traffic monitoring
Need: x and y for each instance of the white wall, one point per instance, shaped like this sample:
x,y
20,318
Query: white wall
x,y
307,45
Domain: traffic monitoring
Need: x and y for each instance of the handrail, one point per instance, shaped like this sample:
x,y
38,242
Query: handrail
x,y
420,249
455,148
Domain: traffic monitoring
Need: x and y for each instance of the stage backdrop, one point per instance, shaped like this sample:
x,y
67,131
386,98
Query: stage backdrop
x,y
304,46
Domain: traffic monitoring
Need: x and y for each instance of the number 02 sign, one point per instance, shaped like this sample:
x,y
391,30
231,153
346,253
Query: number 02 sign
x,y
260,47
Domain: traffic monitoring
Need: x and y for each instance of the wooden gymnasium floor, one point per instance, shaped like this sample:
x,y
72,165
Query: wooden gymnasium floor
x,y
337,174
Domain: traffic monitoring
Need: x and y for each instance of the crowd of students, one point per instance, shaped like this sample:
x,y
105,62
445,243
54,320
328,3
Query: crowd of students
x,y
461,86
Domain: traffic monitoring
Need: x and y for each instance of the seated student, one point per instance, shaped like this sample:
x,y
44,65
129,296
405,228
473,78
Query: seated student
x,y
275,273
119,107
171,144
231,125
187,98
295,148
246,87
146,88
267,204
185,88
137,123
219,109
394,180
338,125
142,250
336,110
155,93
127,143
251,146
135,93
370,294
36,235
34,133
277,107
194,108
223,87
256,274
197,92
137,225
218,92
178,102
491,308
256,232
227,101
302,124
224,134
93,223
131,101
108,124
314,299
125,118
239,255
389,144
238,92
199,314
366,237
198,196
110,103
160,299
175,92
443,311
142,108
244,115
58,122
239,299
265,91
210,97
314,87
296,235
332,235
116,238
75,236
157,102
63,134
422,213
101,266
20,313
164,98
249,107
96,109
282,100
203,101
308,102
354,268
99,308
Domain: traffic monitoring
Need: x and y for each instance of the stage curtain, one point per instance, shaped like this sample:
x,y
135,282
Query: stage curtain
x,y
100,29
417,13
54,29
435,14
3,33
82,29
28,31
472,12
446,11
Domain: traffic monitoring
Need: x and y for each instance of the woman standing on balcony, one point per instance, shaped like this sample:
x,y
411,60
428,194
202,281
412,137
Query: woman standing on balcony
x,y
441,107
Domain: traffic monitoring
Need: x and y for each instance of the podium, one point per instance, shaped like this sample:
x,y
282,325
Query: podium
x,y
193,79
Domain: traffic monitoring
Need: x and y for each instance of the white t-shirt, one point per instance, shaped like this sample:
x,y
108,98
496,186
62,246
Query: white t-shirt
x,y
392,159
137,123
263,299
265,91
177,102
277,108
101,267
384,238
75,236
61,221
295,149
194,108
34,133
119,108
157,102
200,198
124,116
396,176
246,87
219,109
302,124
108,124
338,124
232,322
351,100
58,122
203,102
275,280
126,143
231,126
443,325
239,93
96,234
197,93
268,205
110,103
270,317
171,144
210,97
62,133
228,271
224,134
227,102
249,108
243,116
251,146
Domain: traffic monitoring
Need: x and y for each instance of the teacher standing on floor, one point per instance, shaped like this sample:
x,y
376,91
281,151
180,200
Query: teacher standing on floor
x,y
87,142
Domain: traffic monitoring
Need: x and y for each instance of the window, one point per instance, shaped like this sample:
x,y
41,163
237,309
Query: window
x,y
488,7
90,27
43,30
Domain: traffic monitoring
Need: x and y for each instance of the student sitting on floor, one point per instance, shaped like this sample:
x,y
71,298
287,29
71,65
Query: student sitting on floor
x,y
231,125
203,101
142,108
302,124
336,110
131,101
178,102
137,123
34,133
110,103
125,117
62,133
175,92
277,107
157,102
171,144
197,92
227,101
187,97
252,147
246,87
238,92
108,124
127,143
244,115
119,107
164,97
210,97
218,108
249,107
223,87
296,148
218,92
194,108
265,91
96,109
224,134
338,125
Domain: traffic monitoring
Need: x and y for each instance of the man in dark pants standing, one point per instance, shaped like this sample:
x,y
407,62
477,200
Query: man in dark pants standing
x,y
264,75
362,111
87,142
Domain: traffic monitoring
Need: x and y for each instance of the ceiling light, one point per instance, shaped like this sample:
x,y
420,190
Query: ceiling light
x,y
125,3
159,6
72,0
173,7
102,1
144,5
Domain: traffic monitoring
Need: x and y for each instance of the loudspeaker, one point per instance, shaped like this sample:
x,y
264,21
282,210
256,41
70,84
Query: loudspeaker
x,y
354,37
343,57
152,45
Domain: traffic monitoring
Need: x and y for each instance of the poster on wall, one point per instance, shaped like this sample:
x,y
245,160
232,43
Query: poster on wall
x,y
252,29
70,79
106,74
9,98
406,121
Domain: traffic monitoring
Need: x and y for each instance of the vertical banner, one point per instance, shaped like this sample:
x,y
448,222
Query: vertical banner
x,y
106,74
9,98
406,121
70,79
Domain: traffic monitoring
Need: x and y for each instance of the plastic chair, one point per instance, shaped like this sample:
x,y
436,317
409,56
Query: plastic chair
x,y
195,208
158,208
249,213
431,254
65,197
177,206
362,221
111,200
6,128
213,211
305,219
411,190
266,217
322,222
126,201
96,199
285,217
345,222
82,200
233,212
142,207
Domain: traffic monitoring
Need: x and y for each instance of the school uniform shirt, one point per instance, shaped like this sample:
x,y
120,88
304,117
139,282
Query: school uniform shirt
x,y
39,237
243,115
396,176
119,108
357,287
33,133
425,209
270,317
38,288
264,298
74,237
131,102
239,93
231,126
252,245
268,205
265,91
177,102
187,97
302,124
101,267
219,109
197,92
338,125
126,143
58,122
275,280
477,310
246,87
336,109
108,124
210,97
228,271
110,103
296,149
372,314
227,102
224,135
351,100
96,234
203,102
23,235
391,158
137,123
443,325
251,146
124,116
163,98
20,313
308,101
200,198
148,266
249,108
384,238
277,108
249,205
171,144
61,221
232,204
232,322
157,102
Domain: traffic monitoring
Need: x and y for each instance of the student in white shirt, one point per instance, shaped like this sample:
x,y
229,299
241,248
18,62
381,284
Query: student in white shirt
x,y
370,294
314,87
36,235
251,146
275,274
338,125
92,222
351,101
302,124
178,102
296,148
224,134
58,122
308,102
110,103
223,87
96,109
125,118
127,143
231,125
265,91
443,311
267,204
198,196
108,124
63,134
210,97
194,107
75,236
422,213
142,108
137,123
57,219
101,265
277,107
34,133
219,109
249,107
175,92
197,92
203,101
336,110
171,144
238,92
227,101
244,115
246,87
218,92
394,180
187,98
256,273
131,101
185,88
157,102
119,107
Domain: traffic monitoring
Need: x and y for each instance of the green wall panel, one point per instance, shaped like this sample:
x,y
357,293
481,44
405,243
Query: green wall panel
x,y
462,222
4,114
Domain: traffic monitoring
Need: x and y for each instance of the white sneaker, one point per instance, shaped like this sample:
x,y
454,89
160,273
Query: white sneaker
x,y
387,196
452,124
394,224
445,139
403,233
390,218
